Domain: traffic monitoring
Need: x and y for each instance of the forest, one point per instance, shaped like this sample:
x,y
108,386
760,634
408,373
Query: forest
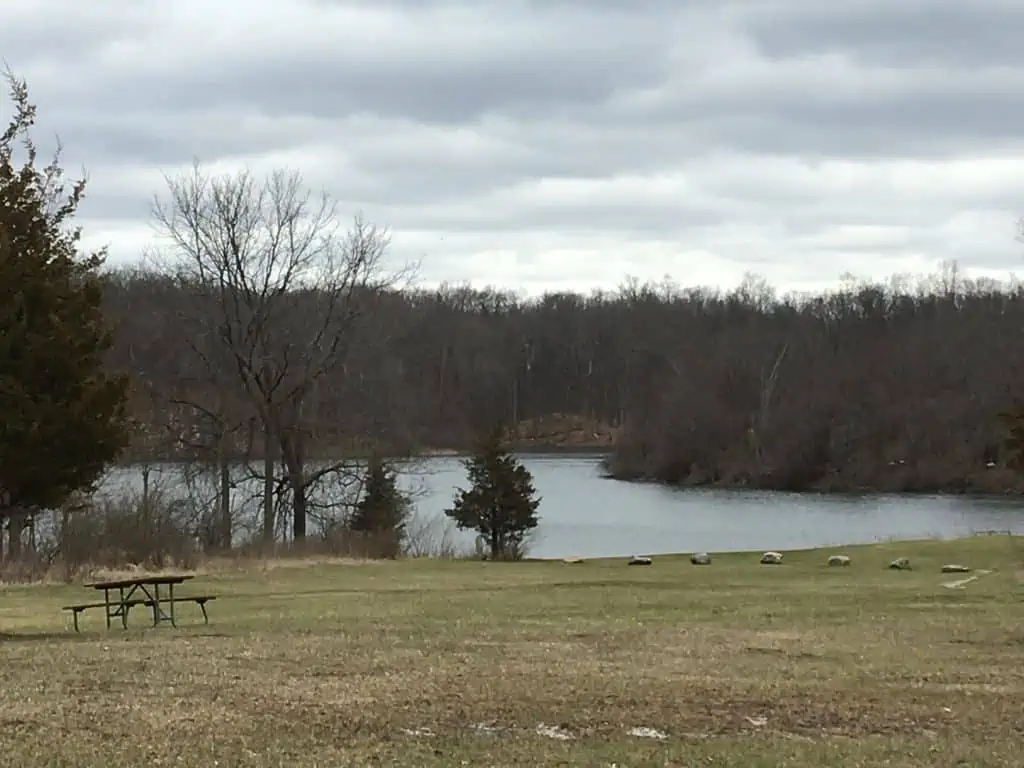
x,y
893,386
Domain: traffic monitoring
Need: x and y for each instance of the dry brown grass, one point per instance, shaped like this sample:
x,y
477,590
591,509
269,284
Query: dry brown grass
x,y
422,663
425,540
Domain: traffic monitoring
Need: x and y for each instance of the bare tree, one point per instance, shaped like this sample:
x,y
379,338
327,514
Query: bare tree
x,y
278,289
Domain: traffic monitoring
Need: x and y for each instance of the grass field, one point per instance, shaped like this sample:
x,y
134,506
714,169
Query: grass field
x,y
451,663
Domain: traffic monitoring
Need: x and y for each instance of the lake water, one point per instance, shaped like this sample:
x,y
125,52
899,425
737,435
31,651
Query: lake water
x,y
584,514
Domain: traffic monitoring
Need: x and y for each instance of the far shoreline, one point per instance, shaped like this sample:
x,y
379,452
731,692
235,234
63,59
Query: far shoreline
x,y
531,449
998,490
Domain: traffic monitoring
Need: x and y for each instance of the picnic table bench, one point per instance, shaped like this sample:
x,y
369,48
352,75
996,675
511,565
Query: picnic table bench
x,y
121,595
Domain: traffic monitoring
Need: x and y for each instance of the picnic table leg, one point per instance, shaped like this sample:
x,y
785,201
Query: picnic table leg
x,y
171,588
124,610
156,605
106,599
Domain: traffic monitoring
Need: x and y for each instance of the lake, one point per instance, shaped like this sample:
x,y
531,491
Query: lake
x,y
586,515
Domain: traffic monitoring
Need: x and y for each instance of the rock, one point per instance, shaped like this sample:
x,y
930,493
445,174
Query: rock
x,y
700,558
900,564
554,732
838,560
644,732
771,558
572,560
637,560
953,568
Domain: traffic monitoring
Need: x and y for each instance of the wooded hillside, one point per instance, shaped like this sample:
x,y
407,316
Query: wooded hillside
x,y
892,386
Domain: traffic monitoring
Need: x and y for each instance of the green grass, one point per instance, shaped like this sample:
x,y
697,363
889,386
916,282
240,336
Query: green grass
x,y
350,664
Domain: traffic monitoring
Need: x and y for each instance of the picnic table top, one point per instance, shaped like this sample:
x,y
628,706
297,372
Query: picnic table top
x,y
138,581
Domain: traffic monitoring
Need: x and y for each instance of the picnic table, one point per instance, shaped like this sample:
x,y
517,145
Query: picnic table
x,y
121,595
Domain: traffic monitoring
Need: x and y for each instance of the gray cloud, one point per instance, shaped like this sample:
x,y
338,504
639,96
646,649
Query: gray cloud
x,y
527,141
907,33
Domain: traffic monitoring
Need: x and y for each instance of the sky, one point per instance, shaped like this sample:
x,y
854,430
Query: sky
x,y
561,144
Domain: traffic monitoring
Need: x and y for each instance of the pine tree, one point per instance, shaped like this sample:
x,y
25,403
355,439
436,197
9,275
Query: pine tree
x,y
382,512
501,503
62,416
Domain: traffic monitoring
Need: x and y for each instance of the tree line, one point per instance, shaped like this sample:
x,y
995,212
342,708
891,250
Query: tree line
x,y
894,386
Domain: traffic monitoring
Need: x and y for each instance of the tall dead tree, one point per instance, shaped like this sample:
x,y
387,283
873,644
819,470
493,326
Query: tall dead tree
x,y
279,290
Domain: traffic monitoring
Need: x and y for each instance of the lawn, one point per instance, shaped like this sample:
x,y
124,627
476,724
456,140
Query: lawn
x,y
438,663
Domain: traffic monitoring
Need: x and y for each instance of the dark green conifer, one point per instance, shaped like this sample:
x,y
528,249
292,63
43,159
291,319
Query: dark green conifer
x,y
62,414
501,503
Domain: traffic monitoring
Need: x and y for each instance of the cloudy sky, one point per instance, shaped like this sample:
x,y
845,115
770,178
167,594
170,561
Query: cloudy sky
x,y
563,144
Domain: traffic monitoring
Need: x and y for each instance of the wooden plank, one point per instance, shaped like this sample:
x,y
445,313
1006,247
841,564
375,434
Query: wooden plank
x,y
124,606
137,582
85,606
200,600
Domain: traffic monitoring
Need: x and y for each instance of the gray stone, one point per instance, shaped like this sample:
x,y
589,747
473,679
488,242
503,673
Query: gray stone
x,y
700,558
900,564
771,558
638,560
953,568
838,560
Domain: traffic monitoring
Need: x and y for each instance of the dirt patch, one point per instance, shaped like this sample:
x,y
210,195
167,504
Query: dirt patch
x,y
960,583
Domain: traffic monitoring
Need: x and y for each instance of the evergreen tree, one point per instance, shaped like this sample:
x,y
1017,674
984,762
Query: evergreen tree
x,y
62,416
501,504
382,512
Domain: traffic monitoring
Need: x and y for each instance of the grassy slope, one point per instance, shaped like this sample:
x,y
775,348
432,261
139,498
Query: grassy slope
x,y
327,664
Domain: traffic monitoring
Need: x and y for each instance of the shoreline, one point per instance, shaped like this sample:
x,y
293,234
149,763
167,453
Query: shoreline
x,y
528,449
996,482
1002,487
740,553
851,491
531,449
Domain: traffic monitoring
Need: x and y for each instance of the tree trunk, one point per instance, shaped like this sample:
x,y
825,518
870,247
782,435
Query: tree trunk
x,y
15,525
145,491
298,509
268,485
292,454
225,504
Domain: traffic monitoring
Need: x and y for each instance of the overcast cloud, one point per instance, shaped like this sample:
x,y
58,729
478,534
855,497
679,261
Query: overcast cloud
x,y
563,144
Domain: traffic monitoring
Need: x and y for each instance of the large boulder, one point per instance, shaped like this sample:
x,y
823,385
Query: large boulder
x,y
771,558
900,564
639,560
837,561
953,568
700,558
